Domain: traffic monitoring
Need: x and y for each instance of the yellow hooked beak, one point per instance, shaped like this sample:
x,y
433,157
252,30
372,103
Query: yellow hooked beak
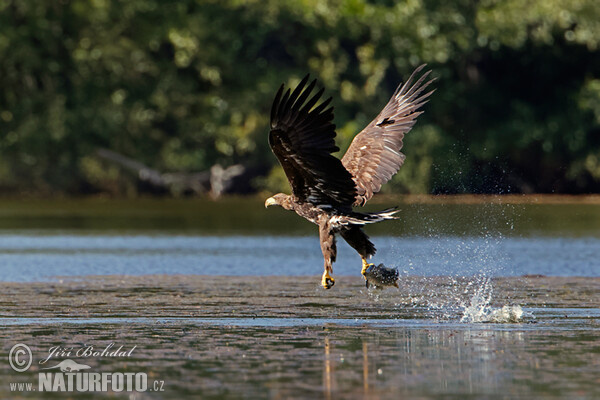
x,y
270,202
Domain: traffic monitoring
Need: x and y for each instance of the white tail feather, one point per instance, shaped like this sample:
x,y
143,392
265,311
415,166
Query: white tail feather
x,y
370,218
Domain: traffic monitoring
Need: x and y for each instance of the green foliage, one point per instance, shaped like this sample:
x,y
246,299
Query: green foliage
x,y
183,85
274,182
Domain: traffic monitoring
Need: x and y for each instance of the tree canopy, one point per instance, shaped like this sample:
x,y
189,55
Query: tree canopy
x,y
182,86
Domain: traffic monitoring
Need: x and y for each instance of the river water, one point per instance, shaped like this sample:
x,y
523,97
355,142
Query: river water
x,y
222,300
33,257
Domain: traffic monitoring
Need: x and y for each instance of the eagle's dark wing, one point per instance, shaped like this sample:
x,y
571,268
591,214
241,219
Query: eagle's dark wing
x,y
374,155
302,138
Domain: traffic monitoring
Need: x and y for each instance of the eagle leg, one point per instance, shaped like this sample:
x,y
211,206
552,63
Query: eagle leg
x,y
360,242
365,266
329,249
327,280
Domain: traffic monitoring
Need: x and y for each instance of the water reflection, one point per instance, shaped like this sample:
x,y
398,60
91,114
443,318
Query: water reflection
x,y
337,362
432,362
327,370
365,367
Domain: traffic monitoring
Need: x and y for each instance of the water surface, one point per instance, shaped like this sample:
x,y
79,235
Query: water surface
x,y
284,337
222,299
35,256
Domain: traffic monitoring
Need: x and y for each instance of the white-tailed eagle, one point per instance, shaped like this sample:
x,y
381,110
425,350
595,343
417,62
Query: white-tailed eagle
x,y
325,188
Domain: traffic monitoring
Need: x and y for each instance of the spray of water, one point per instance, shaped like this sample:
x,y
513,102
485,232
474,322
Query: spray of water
x,y
478,307
461,287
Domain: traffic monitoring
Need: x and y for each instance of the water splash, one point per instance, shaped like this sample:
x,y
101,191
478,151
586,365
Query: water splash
x,y
478,308
460,286
478,305
446,298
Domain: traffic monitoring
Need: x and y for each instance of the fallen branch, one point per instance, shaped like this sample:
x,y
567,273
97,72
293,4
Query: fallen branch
x,y
217,181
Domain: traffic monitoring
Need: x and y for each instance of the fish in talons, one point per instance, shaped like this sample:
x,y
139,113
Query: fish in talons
x,y
381,276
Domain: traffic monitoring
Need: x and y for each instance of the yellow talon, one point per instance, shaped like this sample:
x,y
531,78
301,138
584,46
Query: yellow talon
x,y
327,281
365,265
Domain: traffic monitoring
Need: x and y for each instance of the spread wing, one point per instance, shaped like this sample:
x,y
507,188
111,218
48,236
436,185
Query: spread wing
x,y
374,155
302,138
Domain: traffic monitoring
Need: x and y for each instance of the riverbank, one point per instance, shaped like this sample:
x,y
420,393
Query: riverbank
x,y
534,215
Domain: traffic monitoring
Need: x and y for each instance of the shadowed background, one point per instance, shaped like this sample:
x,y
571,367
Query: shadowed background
x,y
146,96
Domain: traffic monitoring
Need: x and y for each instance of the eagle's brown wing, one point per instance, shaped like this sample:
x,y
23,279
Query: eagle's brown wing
x,y
374,155
302,138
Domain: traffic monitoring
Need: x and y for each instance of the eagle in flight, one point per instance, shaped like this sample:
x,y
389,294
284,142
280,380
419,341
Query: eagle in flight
x,y
325,188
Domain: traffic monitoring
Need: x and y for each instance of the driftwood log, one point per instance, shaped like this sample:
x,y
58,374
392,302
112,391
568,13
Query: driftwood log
x,y
215,182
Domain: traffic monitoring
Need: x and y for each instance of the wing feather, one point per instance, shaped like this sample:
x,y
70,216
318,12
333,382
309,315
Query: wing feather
x,y
374,155
302,138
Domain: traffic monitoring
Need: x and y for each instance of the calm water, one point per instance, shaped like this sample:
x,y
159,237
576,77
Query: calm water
x,y
222,299
32,257
39,240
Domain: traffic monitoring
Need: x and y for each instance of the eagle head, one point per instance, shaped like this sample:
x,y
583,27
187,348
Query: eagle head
x,y
280,199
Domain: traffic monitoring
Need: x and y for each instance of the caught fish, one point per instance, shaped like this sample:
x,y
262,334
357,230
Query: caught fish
x,y
381,276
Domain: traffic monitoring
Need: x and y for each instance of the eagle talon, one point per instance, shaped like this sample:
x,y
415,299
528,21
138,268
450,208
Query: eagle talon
x,y
365,266
327,281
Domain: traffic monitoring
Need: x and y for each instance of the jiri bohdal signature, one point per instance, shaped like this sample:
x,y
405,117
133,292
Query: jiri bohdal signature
x,y
88,351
